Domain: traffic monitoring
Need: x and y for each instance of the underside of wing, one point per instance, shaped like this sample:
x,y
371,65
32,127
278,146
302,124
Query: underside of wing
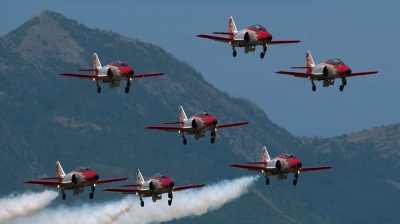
x,y
302,74
216,38
314,168
224,33
147,75
44,182
123,190
181,188
232,124
362,73
284,41
249,167
111,180
168,128
82,76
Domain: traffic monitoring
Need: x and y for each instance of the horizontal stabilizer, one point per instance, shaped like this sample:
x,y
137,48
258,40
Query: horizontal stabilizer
x,y
87,70
300,67
224,33
131,185
174,122
51,178
111,180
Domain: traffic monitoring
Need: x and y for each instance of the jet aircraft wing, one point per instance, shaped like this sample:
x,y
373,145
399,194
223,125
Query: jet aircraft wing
x,y
147,75
181,188
82,76
170,128
283,42
44,182
232,124
222,39
253,168
362,73
124,190
314,168
302,74
111,180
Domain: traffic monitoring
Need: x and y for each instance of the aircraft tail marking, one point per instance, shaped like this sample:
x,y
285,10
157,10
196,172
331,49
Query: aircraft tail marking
x,y
139,177
96,62
309,62
59,170
182,115
231,27
266,157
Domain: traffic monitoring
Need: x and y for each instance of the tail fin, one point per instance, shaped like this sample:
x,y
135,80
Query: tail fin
x,y
309,62
266,157
139,177
182,115
59,170
231,27
96,62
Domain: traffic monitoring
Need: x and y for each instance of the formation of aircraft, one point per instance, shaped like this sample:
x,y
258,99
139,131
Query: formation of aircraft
x,y
76,180
248,38
112,73
280,166
196,125
154,187
326,71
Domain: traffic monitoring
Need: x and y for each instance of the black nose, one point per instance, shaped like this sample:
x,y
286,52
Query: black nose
x,y
299,164
96,177
348,72
269,38
131,72
171,184
214,122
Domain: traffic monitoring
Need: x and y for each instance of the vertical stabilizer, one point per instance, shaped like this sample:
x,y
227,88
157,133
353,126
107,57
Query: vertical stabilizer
x,y
139,177
182,115
96,62
59,170
231,27
266,158
309,62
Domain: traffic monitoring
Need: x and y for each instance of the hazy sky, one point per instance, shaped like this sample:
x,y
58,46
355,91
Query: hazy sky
x,y
364,34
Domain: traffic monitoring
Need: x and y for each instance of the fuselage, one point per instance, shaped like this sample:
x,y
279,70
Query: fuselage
x,y
200,122
80,177
115,71
253,35
284,164
156,185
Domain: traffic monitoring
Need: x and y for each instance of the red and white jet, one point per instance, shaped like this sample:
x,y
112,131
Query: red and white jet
x,y
248,38
280,166
154,187
327,71
76,180
112,73
196,125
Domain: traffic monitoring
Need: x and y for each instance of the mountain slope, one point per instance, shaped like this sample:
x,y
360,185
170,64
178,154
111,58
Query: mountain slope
x,y
47,118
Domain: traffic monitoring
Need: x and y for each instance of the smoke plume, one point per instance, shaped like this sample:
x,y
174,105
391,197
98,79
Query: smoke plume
x,y
25,204
128,210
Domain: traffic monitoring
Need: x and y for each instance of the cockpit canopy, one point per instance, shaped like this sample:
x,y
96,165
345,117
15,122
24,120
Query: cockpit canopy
x,y
288,155
159,176
83,169
119,63
202,114
257,27
335,61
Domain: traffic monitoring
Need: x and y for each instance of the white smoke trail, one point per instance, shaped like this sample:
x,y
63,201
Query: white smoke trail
x,y
128,210
25,204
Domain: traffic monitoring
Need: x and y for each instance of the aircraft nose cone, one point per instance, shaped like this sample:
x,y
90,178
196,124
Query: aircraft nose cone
x,y
96,177
348,72
214,122
299,164
131,72
171,184
269,38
